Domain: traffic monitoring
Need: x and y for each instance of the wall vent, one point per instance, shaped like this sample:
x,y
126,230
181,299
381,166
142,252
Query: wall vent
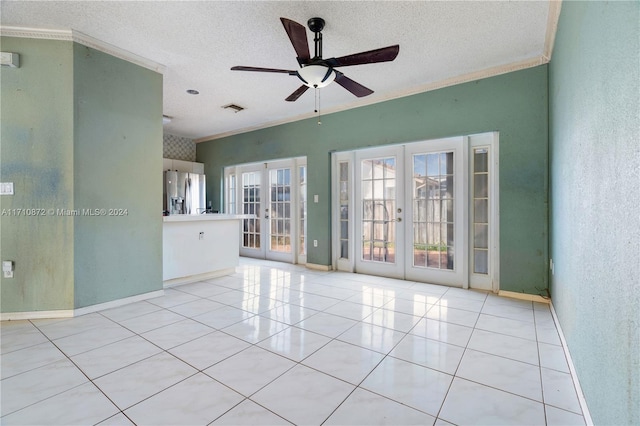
x,y
233,107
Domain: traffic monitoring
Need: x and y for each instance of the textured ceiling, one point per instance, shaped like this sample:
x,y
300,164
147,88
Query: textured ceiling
x,y
199,41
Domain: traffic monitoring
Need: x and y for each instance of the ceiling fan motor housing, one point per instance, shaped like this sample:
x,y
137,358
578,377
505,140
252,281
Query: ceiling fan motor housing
x,y
316,24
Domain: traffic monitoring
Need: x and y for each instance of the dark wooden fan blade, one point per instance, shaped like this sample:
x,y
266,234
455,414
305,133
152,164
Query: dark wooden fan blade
x,y
384,54
241,68
295,95
356,88
298,36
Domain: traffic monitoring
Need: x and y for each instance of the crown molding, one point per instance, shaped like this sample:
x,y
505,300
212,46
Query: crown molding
x,y
464,78
85,40
552,28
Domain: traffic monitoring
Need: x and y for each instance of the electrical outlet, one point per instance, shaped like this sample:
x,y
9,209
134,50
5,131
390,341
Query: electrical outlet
x,y
315,243
315,198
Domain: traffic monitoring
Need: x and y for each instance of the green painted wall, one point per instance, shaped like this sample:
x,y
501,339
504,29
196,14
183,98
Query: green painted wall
x,y
514,104
594,87
117,165
80,130
36,154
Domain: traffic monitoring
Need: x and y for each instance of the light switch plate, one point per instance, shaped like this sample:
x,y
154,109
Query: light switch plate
x,y
7,268
6,188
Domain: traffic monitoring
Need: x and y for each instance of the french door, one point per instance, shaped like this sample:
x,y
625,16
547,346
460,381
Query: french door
x,y
273,196
419,211
379,212
436,217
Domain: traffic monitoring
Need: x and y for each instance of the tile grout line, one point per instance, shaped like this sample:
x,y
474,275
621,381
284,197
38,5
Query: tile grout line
x,y
358,386
374,309
74,387
586,415
455,373
544,404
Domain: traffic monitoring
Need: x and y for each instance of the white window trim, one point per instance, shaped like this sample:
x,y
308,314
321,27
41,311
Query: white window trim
x,y
341,264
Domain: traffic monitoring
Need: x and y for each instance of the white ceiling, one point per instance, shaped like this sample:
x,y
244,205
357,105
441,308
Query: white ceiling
x,y
441,43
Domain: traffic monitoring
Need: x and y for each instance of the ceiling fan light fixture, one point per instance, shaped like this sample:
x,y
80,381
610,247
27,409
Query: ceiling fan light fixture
x,y
316,76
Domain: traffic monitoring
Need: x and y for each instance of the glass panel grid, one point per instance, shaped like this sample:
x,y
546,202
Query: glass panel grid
x,y
480,214
280,210
251,205
378,209
343,184
433,204
231,194
303,210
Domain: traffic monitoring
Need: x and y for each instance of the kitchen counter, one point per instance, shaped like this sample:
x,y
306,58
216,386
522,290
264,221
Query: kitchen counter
x,y
200,217
199,247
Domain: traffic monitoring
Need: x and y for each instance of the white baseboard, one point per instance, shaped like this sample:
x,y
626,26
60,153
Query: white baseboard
x,y
318,267
117,303
574,376
523,296
17,316
70,313
199,277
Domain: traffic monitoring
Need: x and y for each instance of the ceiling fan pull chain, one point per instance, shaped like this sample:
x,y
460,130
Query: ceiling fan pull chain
x,y
318,107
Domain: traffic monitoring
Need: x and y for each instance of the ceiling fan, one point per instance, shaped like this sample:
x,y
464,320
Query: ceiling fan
x,y
317,72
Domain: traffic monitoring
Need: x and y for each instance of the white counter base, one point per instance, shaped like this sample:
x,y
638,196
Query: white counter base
x,y
200,277
197,247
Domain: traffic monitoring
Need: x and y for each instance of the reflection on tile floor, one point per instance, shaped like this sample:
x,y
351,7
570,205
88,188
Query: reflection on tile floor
x,y
279,344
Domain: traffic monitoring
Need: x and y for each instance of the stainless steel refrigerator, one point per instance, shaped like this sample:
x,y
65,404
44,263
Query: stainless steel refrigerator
x,y
184,193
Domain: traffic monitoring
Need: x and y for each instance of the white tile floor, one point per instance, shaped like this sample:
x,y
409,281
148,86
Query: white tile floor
x,y
280,344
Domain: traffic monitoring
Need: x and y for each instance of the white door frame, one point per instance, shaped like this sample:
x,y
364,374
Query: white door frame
x,y
490,141
393,218
458,276
263,215
342,210
491,280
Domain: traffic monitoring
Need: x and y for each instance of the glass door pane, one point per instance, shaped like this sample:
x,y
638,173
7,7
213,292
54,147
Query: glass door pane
x,y
279,212
433,204
231,194
480,217
436,225
378,226
302,232
251,205
378,207
343,199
